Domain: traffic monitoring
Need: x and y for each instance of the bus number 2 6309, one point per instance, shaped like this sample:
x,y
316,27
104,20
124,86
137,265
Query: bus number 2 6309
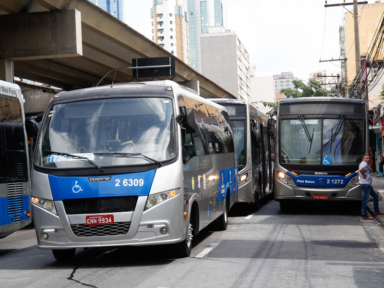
x,y
130,182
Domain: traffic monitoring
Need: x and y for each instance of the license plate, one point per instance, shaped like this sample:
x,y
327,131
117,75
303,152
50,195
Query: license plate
x,y
100,219
320,197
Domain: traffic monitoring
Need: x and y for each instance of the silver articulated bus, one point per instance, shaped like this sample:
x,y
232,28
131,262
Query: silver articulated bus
x,y
15,187
320,143
134,164
254,148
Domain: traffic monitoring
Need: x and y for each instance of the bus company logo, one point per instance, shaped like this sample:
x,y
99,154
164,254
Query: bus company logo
x,y
321,173
98,179
321,181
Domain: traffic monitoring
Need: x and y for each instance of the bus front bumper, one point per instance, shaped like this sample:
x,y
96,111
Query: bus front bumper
x,y
144,227
286,192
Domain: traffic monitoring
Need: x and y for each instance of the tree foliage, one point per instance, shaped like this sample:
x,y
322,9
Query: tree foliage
x,y
303,90
272,105
382,92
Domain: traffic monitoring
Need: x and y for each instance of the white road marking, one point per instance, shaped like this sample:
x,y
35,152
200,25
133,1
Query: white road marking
x,y
206,251
249,216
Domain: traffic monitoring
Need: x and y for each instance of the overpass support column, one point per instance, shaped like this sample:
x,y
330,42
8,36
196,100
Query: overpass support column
x,y
6,70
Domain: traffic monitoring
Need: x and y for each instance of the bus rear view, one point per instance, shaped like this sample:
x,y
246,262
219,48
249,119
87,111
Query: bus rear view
x,y
320,144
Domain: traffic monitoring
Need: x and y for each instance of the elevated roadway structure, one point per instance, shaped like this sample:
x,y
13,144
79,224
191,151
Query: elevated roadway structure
x,y
70,44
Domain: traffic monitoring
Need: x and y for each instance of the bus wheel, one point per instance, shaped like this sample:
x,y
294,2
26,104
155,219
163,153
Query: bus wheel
x,y
64,255
184,248
222,221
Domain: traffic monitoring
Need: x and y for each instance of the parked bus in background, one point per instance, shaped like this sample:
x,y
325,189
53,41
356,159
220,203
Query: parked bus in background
x,y
320,143
254,147
134,164
15,187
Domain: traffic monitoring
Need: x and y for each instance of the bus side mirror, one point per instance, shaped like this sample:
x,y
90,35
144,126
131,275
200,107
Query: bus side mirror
x,y
273,113
32,128
186,119
183,137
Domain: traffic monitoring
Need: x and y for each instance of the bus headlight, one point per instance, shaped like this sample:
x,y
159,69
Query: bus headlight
x,y
155,199
353,182
48,205
284,178
243,177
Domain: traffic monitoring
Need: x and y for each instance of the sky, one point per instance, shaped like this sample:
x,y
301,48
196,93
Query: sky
x,y
280,35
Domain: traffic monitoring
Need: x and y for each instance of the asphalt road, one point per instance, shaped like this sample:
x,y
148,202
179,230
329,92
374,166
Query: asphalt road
x,y
322,245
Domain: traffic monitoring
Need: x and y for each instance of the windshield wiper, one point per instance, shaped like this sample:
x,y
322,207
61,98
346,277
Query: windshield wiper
x,y
310,138
130,155
77,156
334,135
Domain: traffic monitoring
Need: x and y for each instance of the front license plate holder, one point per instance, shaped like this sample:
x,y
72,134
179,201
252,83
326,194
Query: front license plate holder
x,y
100,219
320,197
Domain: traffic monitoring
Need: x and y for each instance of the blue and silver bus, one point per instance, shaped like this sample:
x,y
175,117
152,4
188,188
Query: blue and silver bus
x,y
131,165
15,187
320,143
254,148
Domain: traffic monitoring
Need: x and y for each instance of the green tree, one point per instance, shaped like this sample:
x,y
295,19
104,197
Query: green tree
x,y
382,92
313,89
273,105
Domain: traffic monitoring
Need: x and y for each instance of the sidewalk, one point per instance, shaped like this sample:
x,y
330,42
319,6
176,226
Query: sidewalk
x,y
378,185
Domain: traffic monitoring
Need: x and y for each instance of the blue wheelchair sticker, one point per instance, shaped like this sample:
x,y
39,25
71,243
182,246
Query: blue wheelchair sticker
x,y
326,160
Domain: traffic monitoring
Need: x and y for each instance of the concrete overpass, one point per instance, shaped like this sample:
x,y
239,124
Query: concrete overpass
x,y
70,44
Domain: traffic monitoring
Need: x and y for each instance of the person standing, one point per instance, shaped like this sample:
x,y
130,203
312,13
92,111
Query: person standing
x,y
381,163
366,187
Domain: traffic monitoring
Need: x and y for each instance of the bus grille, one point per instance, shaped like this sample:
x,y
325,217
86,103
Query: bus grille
x,y
83,230
15,189
15,205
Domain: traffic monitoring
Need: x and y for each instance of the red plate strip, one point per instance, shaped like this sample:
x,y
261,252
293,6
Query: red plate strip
x,y
100,219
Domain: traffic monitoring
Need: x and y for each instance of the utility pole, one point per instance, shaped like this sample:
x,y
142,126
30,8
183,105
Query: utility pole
x,y
357,35
357,38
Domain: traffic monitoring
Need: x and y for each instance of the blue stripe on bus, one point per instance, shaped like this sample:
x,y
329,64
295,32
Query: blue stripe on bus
x,y
321,180
136,184
14,209
227,180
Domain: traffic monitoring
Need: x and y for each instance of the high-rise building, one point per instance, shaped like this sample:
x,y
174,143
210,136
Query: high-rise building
x,y
225,61
202,15
170,27
262,90
113,7
283,81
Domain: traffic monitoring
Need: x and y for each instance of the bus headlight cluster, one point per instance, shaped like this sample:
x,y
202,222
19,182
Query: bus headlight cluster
x,y
155,199
243,177
48,205
284,178
353,182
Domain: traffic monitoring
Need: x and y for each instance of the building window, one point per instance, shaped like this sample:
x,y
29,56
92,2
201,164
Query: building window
x,y
161,24
161,31
172,52
171,37
287,81
171,22
171,29
170,15
171,44
160,16
281,81
162,45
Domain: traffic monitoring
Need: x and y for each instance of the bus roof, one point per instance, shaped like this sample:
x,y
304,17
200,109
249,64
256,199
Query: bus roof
x,y
9,89
140,89
322,99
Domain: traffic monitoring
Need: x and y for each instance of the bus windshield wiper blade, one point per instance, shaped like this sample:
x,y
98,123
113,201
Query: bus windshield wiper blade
x,y
310,139
77,156
130,155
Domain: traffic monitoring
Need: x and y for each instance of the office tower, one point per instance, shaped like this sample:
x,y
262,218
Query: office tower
x,y
113,7
170,27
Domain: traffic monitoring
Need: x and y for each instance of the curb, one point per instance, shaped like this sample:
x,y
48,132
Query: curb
x,y
379,219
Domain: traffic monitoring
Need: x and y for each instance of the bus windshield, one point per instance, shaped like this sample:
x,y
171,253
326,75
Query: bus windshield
x,y
109,132
239,137
334,141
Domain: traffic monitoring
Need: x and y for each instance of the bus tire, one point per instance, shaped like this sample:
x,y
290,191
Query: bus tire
x,y
222,221
64,255
184,248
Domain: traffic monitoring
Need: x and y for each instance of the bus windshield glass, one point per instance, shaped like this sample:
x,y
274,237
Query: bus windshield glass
x,y
238,131
109,132
328,141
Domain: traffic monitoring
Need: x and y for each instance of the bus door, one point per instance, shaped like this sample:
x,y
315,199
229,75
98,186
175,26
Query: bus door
x,y
264,160
255,148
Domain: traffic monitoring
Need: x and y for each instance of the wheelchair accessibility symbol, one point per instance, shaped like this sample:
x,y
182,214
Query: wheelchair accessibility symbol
x,y
76,188
326,160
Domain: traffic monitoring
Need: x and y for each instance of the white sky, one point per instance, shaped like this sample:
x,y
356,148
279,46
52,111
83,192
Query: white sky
x,y
280,35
